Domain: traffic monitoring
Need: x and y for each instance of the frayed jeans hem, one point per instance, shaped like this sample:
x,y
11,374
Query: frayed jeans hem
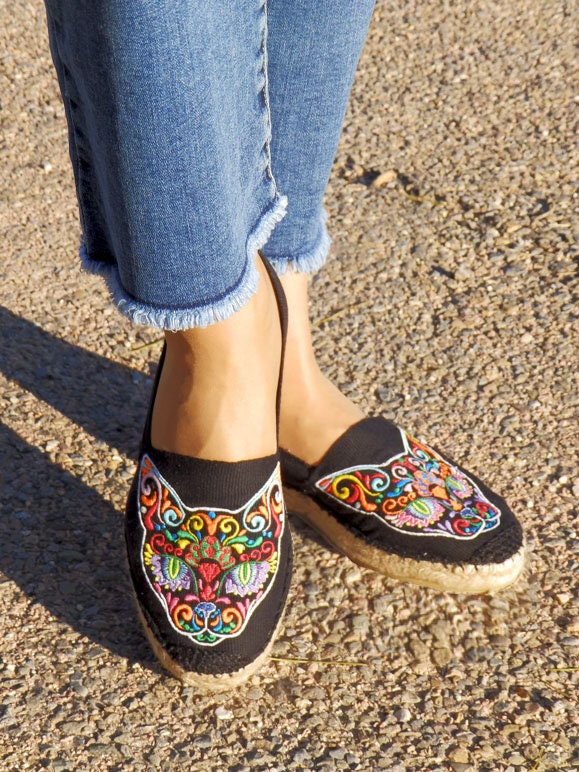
x,y
175,319
306,262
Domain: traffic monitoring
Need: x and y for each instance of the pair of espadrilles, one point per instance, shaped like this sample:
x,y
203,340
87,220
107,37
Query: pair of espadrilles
x,y
210,549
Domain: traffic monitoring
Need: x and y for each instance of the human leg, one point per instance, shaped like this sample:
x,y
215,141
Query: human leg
x,y
314,411
312,56
170,144
169,137
388,501
216,396
313,51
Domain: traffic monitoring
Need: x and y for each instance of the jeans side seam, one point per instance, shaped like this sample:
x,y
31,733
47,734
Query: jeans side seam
x,y
265,94
73,128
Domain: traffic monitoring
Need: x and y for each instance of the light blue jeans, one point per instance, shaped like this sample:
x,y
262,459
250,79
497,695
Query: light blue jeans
x,y
202,131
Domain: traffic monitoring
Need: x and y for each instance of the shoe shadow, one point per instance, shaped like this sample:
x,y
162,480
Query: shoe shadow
x,y
63,543
309,534
107,399
63,547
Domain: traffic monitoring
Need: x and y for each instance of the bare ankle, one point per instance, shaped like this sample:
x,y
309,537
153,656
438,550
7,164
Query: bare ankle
x,y
314,413
217,392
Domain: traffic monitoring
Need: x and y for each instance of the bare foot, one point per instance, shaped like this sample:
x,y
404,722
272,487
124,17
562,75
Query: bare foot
x,y
314,413
217,392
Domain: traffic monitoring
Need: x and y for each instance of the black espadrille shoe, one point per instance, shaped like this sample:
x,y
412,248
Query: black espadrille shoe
x,y
210,557
395,505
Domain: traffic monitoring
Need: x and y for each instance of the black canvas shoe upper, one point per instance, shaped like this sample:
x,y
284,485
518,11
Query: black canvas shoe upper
x,y
209,549
406,498
210,557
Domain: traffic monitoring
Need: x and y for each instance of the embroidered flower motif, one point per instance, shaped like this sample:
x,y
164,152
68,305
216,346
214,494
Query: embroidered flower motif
x,y
417,492
210,548
209,569
419,512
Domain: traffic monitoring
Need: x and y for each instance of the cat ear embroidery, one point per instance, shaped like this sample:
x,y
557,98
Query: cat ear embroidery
x,y
209,568
416,492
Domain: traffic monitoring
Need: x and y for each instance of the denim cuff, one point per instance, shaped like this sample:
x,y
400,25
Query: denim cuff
x,y
308,261
217,310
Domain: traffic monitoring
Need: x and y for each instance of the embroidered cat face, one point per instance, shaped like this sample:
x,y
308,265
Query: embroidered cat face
x,y
417,493
209,568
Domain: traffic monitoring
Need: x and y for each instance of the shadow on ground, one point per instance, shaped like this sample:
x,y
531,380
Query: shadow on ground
x,y
62,541
107,399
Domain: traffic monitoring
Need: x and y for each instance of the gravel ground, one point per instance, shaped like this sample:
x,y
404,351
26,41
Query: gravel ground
x,y
447,306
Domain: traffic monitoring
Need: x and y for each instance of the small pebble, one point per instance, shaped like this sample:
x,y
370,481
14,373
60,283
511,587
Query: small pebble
x,y
460,755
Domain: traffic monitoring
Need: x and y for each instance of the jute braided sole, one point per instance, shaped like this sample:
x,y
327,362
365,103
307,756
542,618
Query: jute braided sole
x,y
204,683
467,579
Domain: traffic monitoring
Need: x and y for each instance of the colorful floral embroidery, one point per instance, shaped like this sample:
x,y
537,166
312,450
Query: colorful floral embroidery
x,y
209,568
416,492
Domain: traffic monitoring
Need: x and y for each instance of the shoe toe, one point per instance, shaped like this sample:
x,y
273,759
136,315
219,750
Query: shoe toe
x,y
397,505
501,546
